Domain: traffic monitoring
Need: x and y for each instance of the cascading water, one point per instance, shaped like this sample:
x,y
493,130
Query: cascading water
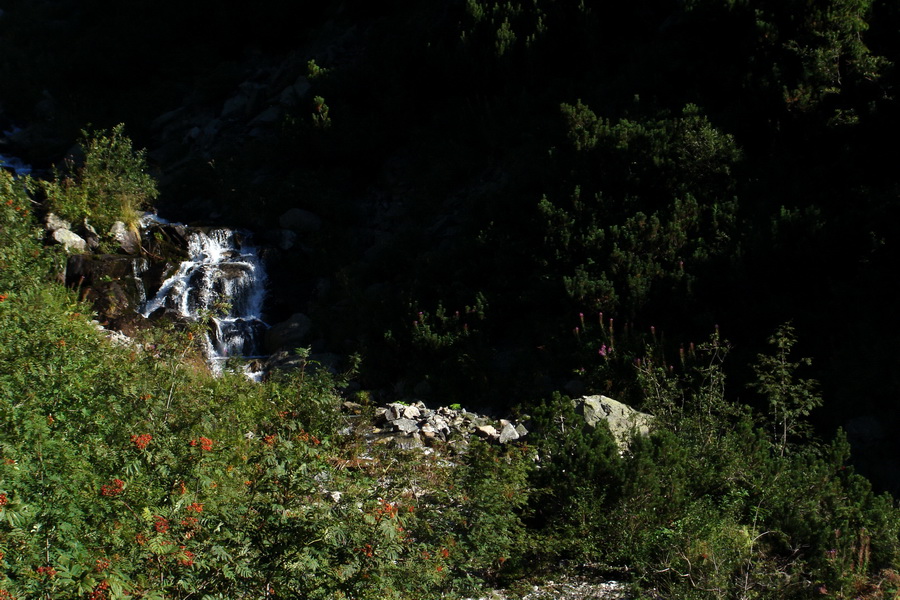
x,y
13,163
224,281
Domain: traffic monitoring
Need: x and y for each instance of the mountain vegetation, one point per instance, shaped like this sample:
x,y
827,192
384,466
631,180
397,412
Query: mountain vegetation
x,y
670,203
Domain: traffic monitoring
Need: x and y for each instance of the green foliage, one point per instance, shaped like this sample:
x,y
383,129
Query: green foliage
x,y
447,347
314,71
112,184
789,399
578,479
638,219
126,472
21,263
320,113
661,206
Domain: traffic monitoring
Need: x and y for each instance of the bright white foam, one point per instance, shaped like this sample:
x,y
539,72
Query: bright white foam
x,y
223,281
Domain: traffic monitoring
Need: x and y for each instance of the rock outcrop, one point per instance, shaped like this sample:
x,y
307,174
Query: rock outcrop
x,y
623,421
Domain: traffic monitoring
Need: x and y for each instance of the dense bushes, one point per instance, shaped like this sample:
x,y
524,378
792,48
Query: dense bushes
x,y
724,166
111,185
128,471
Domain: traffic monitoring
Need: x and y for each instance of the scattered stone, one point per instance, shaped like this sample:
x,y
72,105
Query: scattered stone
x,y
443,423
488,432
405,425
411,412
72,242
508,433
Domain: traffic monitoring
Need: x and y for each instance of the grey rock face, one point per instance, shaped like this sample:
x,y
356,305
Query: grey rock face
x,y
621,418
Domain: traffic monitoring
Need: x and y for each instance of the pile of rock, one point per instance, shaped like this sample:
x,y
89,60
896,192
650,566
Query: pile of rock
x,y
413,425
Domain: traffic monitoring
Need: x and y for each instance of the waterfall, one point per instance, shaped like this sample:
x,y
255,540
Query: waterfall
x,y
13,163
223,280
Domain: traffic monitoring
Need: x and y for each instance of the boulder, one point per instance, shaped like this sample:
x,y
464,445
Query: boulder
x,y
405,425
72,242
55,222
621,418
508,433
128,239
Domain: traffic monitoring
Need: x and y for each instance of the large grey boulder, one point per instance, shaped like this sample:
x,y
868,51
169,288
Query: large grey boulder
x,y
72,242
623,421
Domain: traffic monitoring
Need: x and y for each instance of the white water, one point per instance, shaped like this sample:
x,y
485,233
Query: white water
x,y
223,281
12,162
18,167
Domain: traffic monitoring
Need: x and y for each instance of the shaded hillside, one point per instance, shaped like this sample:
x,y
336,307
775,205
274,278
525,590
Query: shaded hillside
x,y
505,188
